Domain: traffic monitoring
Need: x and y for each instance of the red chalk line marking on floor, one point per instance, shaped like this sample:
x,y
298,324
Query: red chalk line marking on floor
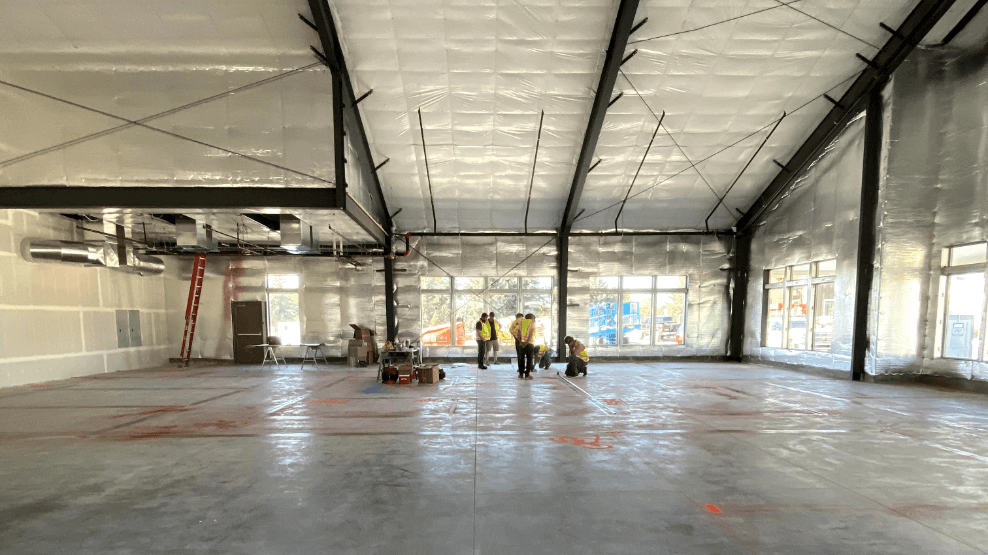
x,y
714,509
580,442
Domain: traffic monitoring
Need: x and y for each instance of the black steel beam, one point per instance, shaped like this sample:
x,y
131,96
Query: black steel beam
x,y
339,143
562,273
333,50
739,295
366,221
916,25
867,231
605,88
390,303
60,197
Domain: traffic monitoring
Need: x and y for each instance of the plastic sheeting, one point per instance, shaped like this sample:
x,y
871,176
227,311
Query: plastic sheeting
x,y
332,295
481,72
933,196
722,87
816,218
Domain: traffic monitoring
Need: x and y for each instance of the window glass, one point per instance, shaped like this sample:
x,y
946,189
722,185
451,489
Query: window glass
x,y
636,319
536,283
283,281
283,320
435,319
670,318
637,282
965,303
670,282
435,283
775,318
825,268
823,316
504,306
503,283
799,272
603,319
462,283
469,307
797,317
967,254
605,282
541,306
777,276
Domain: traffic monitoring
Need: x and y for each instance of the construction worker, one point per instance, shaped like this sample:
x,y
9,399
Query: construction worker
x,y
483,336
544,356
526,338
515,331
577,359
494,343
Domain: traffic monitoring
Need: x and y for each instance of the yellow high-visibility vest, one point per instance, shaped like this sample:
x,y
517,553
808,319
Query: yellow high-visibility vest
x,y
526,324
583,354
515,326
485,331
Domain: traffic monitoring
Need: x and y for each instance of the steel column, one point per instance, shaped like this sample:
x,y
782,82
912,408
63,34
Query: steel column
x,y
390,303
867,231
562,271
739,295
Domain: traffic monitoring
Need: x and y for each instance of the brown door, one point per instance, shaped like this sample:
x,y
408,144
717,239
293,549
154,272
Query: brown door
x,y
248,330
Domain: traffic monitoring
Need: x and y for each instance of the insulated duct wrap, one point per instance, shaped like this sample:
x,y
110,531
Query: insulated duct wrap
x,y
933,195
815,218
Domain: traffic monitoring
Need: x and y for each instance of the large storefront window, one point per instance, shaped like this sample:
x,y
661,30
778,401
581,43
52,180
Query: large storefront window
x,y
637,310
451,307
283,308
799,306
960,318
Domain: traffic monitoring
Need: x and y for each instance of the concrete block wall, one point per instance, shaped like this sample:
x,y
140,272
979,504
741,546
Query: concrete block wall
x,y
58,320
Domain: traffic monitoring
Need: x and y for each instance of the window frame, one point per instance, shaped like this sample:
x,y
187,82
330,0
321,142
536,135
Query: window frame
x,y
485,295
654,291
810,282
943,300
267,300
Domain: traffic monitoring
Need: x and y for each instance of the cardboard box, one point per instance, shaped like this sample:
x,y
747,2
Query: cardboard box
x,y
428,374
405,369
365,337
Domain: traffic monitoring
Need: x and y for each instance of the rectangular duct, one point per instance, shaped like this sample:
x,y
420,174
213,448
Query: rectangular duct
x,y
298,236
190,234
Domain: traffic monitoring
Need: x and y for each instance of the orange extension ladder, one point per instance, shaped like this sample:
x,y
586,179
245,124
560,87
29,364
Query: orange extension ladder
x,y
192,310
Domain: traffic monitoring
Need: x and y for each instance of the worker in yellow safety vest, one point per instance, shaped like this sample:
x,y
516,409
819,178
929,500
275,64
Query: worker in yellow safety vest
x,y
578,357
515,330
526,339
483,336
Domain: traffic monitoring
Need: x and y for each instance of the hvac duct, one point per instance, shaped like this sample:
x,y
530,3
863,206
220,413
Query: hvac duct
x,y
298,236
71,252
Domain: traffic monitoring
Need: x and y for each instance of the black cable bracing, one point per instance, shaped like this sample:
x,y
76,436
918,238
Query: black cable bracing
x,y
666,129
834,27
162,131
200,102
481,293
713,24
728,147
531,185
720,200
428,176
642,163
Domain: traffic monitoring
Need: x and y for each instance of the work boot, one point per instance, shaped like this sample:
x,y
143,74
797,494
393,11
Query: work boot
x,y
529,377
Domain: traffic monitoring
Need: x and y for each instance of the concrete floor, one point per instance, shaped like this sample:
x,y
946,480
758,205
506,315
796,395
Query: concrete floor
x,y
635,458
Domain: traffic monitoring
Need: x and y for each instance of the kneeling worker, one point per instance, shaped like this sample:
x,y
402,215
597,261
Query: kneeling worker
x,y
578,357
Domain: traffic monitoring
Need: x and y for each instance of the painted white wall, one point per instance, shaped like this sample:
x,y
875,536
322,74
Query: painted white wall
x,y
58,320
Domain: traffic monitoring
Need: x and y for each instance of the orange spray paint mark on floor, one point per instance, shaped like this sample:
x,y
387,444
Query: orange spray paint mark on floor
x,y
580,442
613,402
714,509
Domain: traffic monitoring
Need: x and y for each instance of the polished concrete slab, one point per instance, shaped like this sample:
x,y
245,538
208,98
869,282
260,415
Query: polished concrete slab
x,y
634,458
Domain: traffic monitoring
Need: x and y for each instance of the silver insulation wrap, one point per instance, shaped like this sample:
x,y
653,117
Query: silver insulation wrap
x,y
934,195
815,218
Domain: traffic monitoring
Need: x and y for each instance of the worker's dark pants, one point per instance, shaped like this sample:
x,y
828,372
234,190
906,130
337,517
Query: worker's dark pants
x,y
576,367
482,352
518,351
526,359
